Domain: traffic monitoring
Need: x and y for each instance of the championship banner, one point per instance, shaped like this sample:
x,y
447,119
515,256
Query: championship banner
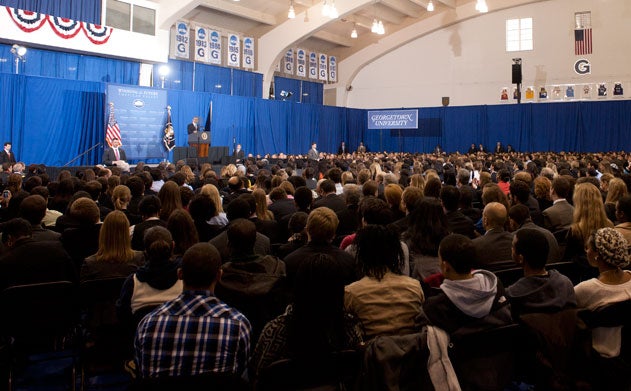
x,y
301,63
313,65
333,69
234,55
140,118
322,74
201,44
393,119
214,47
248,53
181,40
289,62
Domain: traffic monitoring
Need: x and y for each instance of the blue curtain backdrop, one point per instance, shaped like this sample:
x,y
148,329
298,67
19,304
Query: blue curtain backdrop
x,y
184,75
51,121
301,90
83,10
71,66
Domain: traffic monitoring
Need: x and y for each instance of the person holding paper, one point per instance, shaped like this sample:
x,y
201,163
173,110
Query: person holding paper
x,y
115,155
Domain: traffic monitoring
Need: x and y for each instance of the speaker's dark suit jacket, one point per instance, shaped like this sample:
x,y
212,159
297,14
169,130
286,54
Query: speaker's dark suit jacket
x,y
109,156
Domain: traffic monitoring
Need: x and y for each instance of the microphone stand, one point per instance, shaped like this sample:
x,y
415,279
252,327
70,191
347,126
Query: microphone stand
x,y
78,156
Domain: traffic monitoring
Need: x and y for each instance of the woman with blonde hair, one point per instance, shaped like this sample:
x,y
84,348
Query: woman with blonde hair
x,y
188,172
220,216
121,196
589,216
170,199
115,257
262,213
417,180
616,190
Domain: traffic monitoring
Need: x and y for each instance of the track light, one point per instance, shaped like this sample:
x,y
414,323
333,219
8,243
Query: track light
x,y
333,14
354,32
326,9
430,6
18,51
380,29
291,14
481,6
375,26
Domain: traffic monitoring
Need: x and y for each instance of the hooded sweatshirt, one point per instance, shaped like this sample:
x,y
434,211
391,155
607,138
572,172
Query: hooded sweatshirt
x,y
475,302
549,293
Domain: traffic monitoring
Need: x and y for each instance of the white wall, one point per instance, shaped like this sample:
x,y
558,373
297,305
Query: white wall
x,y
468,61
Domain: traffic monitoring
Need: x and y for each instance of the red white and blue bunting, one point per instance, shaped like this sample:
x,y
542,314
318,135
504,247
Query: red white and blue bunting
x,y
65,28
27,21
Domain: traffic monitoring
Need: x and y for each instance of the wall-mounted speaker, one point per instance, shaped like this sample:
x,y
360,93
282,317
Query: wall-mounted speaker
x,y
516,74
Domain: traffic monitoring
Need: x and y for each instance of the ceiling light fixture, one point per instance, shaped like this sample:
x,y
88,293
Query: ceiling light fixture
x,y
375,26
291,14
354,32
333,14
306,15
430,6
326,9
380,29
481,6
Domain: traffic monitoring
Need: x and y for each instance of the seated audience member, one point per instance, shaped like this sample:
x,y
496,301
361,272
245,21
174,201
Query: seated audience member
x,y
328,197
251,283
120,199
466,299
623,215
266,226
202,209
559,216
540,290
409,200
607,250
156,282
349,218
51,216
494,247
149,208
137,188
386,302
297,228
282,206
321,226
520,194
219,218
315,324
216,337
115,257
82,240
183,231
457,222
303,197
520,219
26,261
33,209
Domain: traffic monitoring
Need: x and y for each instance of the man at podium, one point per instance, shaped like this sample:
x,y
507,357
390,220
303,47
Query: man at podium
x,y
198,138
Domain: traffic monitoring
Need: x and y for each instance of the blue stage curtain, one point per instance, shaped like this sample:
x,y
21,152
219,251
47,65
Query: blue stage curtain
x,y
272,126
180,76
184,106
356,127
332,127
303,127
312,92
605,125
71,120
210,78
83,10
246,83
234,122
288,85
71,66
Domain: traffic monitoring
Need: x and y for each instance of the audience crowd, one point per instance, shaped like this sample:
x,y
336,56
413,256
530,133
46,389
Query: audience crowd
x,y
283,257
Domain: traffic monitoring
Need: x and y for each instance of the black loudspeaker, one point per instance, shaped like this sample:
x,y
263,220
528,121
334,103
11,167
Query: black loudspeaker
x,y
180,153
516,74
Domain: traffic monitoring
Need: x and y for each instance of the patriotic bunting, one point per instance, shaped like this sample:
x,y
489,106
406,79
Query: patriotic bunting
x,y
96,33
64,27
27,21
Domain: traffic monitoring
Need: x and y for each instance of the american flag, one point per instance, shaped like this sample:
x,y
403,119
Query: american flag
x,y
583,41
113,131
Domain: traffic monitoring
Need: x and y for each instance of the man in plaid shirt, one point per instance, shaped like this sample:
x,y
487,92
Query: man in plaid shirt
x,y
195,332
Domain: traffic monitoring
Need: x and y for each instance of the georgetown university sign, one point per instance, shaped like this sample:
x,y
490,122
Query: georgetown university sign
x,y
393,119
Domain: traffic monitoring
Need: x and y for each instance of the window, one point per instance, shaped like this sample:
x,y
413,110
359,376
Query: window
x,y
583,20
519,34
129,15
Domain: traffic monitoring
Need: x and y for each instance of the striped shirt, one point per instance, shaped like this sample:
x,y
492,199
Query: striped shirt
x,y
192,334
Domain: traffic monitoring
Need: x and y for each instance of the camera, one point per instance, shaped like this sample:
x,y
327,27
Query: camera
x,y
6,194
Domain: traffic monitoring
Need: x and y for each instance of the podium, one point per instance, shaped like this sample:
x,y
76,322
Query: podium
x,y
200,141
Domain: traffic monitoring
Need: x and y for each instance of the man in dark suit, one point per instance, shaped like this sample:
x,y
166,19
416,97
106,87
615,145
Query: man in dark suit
x,y
494,249
6,156
193,127
114,153
560,215
499,148
328,197
28,262
237,154
342,150
457,222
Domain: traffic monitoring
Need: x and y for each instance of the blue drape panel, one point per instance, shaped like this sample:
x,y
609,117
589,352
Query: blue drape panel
x,y
234,119
288,85
312,92
83,10
272,126
605,124
303,127
246,83
356,126
332,129
71,66
209,78
302,90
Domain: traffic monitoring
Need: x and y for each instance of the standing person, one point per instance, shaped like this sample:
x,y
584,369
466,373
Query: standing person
x,y
114,154
313,153
238,154
193,127
6,156
361,148
216,337
342,150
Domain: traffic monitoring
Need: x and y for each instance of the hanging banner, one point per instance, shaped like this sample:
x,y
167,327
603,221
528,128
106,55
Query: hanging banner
x,y
214,47
333,69
181,40
234,55
322,75
289,62
248,53
277,67
313,65
393,119
201,44
301,63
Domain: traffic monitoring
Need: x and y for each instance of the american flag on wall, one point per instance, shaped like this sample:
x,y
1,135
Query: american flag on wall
x,y
583,41
113,131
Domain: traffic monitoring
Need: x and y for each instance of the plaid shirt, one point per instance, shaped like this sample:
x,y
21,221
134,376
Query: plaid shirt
x,y
192,334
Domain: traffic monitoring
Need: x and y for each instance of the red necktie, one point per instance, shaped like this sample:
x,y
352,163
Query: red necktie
x,y
116,153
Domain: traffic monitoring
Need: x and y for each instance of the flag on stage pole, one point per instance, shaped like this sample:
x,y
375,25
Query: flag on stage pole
x,y
113,131
169,136
209,119
582,41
